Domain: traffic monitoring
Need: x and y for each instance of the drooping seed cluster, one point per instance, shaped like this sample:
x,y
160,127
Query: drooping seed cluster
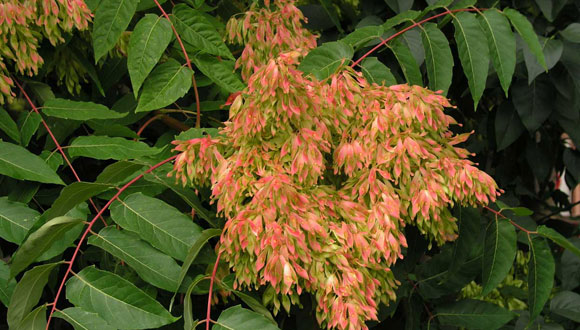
x,y
24,24
317,180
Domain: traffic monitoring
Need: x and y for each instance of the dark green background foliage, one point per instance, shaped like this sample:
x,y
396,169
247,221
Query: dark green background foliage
x,y
513,74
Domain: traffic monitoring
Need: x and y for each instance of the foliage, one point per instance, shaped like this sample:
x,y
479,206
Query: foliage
x,y
327,196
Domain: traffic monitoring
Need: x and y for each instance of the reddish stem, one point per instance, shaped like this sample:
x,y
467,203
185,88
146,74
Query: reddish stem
x,y
188,62
72,259
215,266
384,42
149,121
510,220
58,146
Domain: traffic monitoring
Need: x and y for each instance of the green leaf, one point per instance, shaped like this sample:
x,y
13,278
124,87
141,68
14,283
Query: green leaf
x,y
406,16
202,239
473,53
469,223
363,36
526,31
552,50
118,172
166,84
239,318
27,293
412,39
331,11
72,195
508,126
376,72
19,163
188,195
28,123
498,254
148,42
557,238
83,320
75,110
150,264
572,33
197,31
220,72
326,59
16,219
501,44
438,58
194,133
399,6
551,8
566,304
474,314
116,300
189,324
158,223
35,320
251,301
112,18
67,240
7,284
541,269
533,103
104,147
8,126
407,62
40,241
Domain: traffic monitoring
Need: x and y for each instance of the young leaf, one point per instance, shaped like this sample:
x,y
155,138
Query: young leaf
x,y
407,62
242,319
572,32
149,40
104,147
438,58
533,103
67,109
8,126
566,304
197,31
150,264
474,314
7,284
27,293
502,45
72,195
526,31
557,238
16,219
19,163
541,270
326,59
28,123
120,303
39,241
82,320
158,223
498,254
473,53
220,72
112,17
376,72
35,320
167,83
508,126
